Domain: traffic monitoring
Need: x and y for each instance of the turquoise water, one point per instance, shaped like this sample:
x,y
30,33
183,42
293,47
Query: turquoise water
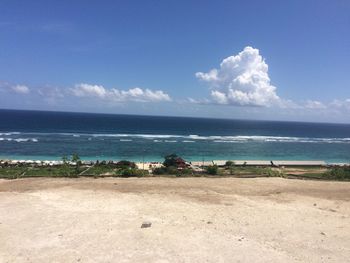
x,y
50,135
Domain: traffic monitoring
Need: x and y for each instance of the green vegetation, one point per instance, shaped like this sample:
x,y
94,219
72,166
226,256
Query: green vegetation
x,y
77,161
55,171
339,173
131,172
173,165
230,165
212,169
11,172
99,170
171,170
126,164
170,160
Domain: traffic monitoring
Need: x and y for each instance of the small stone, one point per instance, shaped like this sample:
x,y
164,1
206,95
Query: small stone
x,y
146,224
323,234
209,222
315,204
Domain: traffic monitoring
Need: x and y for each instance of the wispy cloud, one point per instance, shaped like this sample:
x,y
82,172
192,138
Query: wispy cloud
x,y
314,104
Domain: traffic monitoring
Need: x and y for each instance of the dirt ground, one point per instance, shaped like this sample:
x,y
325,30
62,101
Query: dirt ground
x,y
193,220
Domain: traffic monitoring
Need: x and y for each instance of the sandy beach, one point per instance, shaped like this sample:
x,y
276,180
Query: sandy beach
x,y
193,220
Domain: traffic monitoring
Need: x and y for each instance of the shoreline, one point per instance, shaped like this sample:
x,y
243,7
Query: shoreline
x,y
219,163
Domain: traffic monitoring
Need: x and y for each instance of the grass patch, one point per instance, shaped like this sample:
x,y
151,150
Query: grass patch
x,y
11,172
251,170
100,170
57,171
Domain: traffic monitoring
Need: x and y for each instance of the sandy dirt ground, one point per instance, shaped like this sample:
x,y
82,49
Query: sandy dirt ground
x,y
193,220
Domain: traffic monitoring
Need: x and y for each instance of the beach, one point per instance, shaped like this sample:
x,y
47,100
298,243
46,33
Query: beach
x,y
192,220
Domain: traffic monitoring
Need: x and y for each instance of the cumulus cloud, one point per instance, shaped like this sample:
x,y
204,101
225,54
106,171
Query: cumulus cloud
x,y
242,80
134,94
20,89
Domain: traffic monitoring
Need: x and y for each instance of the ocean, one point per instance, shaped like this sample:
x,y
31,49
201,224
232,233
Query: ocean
x,y
50,135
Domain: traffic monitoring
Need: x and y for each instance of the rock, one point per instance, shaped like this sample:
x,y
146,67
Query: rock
x,y
146,224
209,222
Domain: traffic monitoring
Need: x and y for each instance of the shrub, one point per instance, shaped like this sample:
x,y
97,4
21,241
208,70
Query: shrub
x,y
229,163
231,166
77,161
131,172
212,169
159,170
125,164
339,173
171,170
272,173
186,171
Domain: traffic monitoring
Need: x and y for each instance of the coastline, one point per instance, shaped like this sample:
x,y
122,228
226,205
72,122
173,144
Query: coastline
x,y
140,163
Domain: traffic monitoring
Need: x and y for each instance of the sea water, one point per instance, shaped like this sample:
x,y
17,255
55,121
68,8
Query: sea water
x,y
50,135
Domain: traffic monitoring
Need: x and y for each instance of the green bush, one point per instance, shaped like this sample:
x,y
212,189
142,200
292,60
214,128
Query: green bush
x,y
212,169
339,173
271,172
171,170
125,164
131,172
186,171
159,170
165,170
229,163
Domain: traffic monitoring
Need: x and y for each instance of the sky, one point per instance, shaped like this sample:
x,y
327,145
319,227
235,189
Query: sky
x,y
271,60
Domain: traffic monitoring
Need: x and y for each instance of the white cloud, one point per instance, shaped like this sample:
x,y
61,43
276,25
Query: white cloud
x,y
242,80
50,92
134,94
314,104
197,101
87,90
340,104
21,89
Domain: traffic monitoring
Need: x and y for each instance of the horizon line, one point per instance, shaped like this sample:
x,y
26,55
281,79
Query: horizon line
x,y
174,116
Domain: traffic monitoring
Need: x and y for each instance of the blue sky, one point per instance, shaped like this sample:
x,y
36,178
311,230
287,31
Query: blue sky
x,y
284,60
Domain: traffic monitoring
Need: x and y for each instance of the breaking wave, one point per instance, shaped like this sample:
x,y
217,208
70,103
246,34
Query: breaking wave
x,y
19,139
13,136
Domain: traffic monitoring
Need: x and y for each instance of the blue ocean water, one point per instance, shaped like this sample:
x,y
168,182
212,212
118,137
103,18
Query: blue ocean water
x,y
50,135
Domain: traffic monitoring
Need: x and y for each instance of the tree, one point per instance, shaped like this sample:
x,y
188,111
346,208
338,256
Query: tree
x,y
170,160
231,166
65,166
77,161
65,159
